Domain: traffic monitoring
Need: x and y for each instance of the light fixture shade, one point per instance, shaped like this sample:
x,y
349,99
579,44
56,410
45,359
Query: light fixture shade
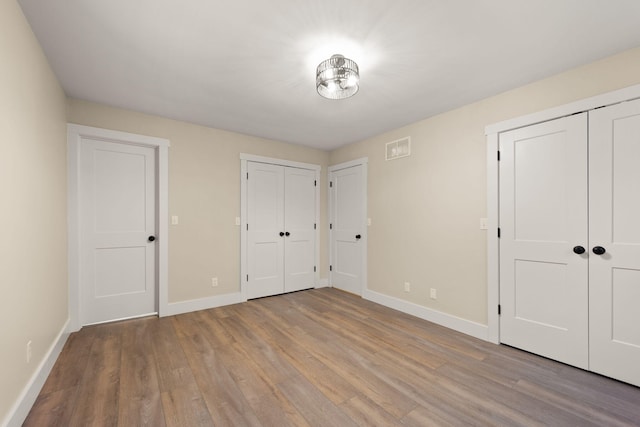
x,y
337,78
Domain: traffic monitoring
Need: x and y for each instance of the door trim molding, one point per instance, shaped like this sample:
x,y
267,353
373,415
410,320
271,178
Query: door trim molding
x,y
493,203
244,159
364,162
75,133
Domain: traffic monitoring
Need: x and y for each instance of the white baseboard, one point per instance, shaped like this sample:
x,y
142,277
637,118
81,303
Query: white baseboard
x,y
19,411
323,283
203,303
459,324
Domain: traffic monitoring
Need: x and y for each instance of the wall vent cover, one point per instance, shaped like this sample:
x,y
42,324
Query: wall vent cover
x,y
398,148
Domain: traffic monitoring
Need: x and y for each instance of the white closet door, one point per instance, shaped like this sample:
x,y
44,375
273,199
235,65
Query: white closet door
x,y
614,277
299,241
265,220
543,216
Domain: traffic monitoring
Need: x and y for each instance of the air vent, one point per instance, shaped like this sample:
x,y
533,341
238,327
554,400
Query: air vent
x,y
398,148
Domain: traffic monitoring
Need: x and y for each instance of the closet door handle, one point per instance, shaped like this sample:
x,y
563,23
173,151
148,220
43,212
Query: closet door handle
x,y
151,238
287,234
599,250
578,250
281,233
358,237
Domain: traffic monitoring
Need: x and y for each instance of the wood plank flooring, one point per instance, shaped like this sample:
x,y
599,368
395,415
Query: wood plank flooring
x,y
314,358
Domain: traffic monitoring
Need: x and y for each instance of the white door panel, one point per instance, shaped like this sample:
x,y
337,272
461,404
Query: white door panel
x,y
614,208
300,243
347,222
299,260
265,218
543,215
117,193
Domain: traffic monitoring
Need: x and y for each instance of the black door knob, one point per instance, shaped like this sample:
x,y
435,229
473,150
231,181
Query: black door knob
x,y
358,236
578,250
151,238
598,250
287,234
281,233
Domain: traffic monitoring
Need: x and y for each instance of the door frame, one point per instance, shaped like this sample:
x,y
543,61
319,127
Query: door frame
x,y
244,265
492,133
75,133
364,162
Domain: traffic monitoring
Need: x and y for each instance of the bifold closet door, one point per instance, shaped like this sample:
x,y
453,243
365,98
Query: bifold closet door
x,y
265,221
281,245
543,223
299,220
614,226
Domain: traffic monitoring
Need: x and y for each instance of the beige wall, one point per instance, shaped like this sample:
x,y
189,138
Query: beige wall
x,y
426,208
33,214
204,191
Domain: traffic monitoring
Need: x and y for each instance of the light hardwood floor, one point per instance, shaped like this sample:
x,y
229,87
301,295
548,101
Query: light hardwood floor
x,y
314,358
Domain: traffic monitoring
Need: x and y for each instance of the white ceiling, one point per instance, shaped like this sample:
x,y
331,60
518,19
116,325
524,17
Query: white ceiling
x,y
249,65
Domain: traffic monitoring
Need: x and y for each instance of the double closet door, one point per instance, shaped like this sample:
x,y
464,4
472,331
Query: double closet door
x,y
570,240
281,229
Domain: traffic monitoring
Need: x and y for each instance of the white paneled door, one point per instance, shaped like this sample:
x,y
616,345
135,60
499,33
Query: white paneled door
x,y
347,228
570,240
614,218
299,228
281,229
117,230
265,222
543,216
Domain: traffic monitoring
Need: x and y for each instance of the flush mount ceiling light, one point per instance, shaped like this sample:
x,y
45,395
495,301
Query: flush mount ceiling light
x,y
337,78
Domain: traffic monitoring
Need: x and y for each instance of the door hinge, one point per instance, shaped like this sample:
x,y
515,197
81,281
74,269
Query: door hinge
x,y
247,226
330,183
315,183
247,175
330,268
498,155
314,226
330,226
498,232
247,277
314,268
499,309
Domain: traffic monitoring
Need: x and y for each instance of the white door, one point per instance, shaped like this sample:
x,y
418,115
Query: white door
x,y
265,229
543,217
281,234
117,218
300,229
614,218
348,229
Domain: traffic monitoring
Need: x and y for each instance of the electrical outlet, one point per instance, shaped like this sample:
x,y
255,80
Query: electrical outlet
x,y
174,220
237,220
214,282
29,352
369,222
432,294
407,287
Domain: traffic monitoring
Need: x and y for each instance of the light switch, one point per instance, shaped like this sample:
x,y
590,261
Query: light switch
x,y
369,222
237,220
174,219
484,224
